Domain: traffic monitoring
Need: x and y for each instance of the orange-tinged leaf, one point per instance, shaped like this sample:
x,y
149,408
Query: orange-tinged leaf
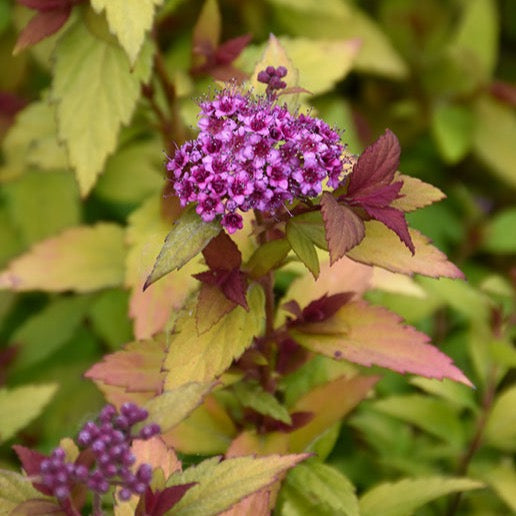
x,y
81,259
137,368
201,358
151,309
249,442
383,248
415,193
256,504
371,335
344,228
155,452
338,398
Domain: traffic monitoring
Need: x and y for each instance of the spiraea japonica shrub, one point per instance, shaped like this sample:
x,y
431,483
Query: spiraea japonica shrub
x,y
234,272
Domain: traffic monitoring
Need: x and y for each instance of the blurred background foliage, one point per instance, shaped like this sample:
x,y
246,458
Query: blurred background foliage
x,y
442,75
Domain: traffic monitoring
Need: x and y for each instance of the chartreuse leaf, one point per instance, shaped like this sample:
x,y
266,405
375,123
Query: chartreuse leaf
x,y
95,90
20,405
81,259
452,127
32,140
415,193
494,138
367,335
303,246
338,397
501,425
502,479
15,489
316,488
188,237
434,416
500,234
222,484
129,20
404,497
457,394
41,205
268,256
251,394
383,248
170,407
193,357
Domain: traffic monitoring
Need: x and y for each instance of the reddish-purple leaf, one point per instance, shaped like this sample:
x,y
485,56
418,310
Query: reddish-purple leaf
x,y
394,219
232,283
299,419
291,356
31,461
382,196
42,25
344,228
228,51
324,307
222,253
371,335
45,5
159,502
376,165
504,91
10,103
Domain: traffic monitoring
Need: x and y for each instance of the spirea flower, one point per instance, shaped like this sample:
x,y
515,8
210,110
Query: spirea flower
x,y
109,440
253,154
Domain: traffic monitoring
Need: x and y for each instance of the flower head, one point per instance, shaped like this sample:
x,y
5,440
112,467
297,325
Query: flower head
x,y
252,153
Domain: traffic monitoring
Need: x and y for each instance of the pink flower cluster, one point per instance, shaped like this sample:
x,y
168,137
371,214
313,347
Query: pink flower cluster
x,y
252,153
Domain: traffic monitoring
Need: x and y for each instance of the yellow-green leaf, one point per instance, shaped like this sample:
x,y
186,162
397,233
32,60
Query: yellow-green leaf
x,y
14,489
20,405
200,358
222,484
382,247
187,238
501,426
303,247
172,406
415,194
404,497
129,20
503,479
95,90
82,259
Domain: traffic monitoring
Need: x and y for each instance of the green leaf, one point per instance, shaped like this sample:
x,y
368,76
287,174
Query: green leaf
x,y
48,330
267,256
303,246
502,479
80,259
452,127
312,225
42,204
457,394
434,416
187,238
316,488
494,138
500,234
193,357
172,406
95,91
477,36
252,395
222,484
32,141
501,426
21,405
404,497
132,174
128,20
15,489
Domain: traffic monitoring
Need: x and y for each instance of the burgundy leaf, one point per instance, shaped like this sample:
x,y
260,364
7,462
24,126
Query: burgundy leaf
x,y
10,103
226,73
45,5
213,277
235,288
376,165
293,307
324,307
504,91
344,228
31,461
222,253
159,502
291,356
394,219
228,51
42,25
379,197
299,419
